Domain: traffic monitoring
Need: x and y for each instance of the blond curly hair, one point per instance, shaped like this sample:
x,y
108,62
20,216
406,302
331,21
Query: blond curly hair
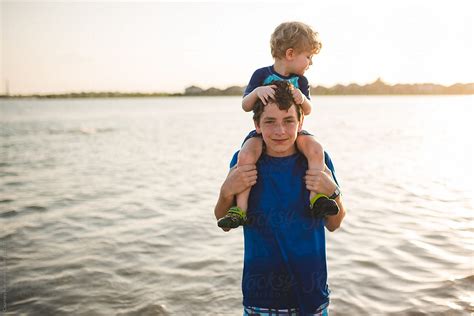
x,y
296,35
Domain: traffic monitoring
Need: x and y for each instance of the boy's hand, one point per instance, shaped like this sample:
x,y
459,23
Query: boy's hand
x,y
239,179
265,93
320,181
298,96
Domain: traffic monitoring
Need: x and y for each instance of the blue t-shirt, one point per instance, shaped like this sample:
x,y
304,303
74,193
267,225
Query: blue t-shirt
x,y
268,74
285,248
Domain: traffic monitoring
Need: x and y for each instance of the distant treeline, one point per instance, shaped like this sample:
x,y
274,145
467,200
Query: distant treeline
x,y
93,95
375,88
378,87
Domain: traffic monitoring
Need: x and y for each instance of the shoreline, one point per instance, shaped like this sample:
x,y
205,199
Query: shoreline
x,y
378,87
138,96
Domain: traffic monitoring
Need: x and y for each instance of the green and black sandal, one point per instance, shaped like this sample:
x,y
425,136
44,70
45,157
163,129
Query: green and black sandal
x,y
320,206
234,218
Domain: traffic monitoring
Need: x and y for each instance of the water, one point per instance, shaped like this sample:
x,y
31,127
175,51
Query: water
x,y
106,206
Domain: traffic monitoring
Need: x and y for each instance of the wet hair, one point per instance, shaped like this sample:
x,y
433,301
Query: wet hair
x,y
283,99
296,35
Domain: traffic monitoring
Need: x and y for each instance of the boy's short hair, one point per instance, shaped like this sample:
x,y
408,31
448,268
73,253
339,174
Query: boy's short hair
x,y
283,99
296,35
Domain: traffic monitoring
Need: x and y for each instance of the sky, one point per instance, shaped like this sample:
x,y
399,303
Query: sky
x,y
157,46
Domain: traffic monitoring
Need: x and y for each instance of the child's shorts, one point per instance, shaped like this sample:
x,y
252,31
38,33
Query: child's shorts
x,y
254,133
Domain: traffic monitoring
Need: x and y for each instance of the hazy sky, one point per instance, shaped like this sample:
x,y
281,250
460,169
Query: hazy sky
x,y
166,46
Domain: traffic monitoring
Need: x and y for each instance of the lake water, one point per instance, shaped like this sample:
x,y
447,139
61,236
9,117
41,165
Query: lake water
x,y
106,205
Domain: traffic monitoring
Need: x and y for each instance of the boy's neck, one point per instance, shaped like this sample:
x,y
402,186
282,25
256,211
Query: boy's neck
x,y
281,67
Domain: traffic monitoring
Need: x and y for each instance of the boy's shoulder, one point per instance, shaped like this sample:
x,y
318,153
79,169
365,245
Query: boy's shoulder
x,y
264,71
269,71
258,79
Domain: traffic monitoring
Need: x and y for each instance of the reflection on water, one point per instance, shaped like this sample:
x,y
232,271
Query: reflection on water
x,y
106,205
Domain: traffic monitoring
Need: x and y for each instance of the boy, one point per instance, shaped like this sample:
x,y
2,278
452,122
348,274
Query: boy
x,y
293,45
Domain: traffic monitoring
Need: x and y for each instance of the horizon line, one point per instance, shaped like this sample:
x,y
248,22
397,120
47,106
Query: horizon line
x,y
183,92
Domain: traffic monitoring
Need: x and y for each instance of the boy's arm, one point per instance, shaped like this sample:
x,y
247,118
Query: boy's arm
x,y
302,100
249,101
333,222
254,91
223,204
323,182
238,180
306,106
263,93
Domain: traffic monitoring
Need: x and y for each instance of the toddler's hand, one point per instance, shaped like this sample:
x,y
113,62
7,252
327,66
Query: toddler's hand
x,y
298,96
265,93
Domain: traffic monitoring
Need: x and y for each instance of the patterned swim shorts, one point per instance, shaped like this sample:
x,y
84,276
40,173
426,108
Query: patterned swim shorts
x,y
259,311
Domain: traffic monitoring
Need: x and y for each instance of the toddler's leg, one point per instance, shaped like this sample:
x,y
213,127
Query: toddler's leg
x,y
249,154
319,205
236,216
314,152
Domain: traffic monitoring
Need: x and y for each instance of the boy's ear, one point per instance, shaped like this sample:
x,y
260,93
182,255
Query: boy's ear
x,y
290,53
300,124
257,127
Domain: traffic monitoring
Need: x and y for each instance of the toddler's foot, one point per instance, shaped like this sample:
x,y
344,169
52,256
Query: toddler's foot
x,y
321,206
234,218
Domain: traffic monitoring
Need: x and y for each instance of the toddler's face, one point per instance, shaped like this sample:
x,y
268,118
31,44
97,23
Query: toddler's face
x,y
301,62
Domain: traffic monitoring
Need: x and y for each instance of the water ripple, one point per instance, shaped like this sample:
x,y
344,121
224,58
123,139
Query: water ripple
x,y
107,207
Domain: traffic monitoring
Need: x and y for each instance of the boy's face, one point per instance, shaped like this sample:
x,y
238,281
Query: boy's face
x,y
279,129
300,62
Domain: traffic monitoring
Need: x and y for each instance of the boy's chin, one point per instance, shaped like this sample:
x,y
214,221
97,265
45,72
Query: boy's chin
x,y
281,150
